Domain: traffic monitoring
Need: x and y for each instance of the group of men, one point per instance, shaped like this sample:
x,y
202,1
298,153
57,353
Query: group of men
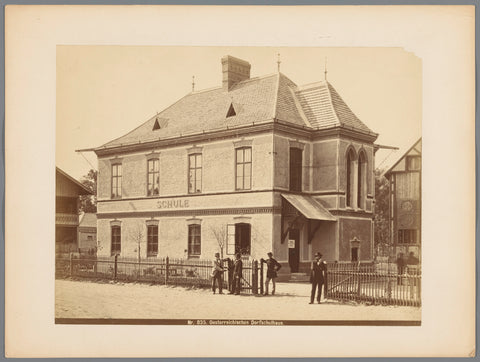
x,y
318,274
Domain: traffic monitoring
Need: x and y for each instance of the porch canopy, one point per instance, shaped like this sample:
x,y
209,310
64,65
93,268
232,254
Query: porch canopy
x,y
309,207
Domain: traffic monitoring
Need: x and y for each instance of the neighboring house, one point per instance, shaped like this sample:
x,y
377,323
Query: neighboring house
x,y
271,165
67,192
405,178
87,232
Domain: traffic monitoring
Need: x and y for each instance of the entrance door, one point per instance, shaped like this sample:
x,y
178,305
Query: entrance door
x,y
294,249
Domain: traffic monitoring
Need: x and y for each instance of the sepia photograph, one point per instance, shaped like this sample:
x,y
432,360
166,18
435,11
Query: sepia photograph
x,y
255,182
296,181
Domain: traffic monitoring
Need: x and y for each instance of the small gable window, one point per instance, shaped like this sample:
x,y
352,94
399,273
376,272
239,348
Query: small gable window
x,y
156,125
231,111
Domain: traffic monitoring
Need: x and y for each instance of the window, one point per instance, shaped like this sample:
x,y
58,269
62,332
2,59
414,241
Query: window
x,y
116,181
295,169
153,177
195,173
231,111
194,240
239,239
414,163
244,168
354,254
116,240
152,240
407,236
350,177
362,180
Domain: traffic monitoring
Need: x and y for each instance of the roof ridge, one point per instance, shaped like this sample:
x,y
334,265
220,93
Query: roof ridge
x,y
275,100
331,103
299,107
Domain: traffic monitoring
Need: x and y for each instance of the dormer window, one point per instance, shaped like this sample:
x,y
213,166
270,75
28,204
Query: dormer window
x,y
156,125
231,111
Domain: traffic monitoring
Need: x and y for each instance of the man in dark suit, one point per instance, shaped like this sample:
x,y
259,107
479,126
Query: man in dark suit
x,y
318,277
237,274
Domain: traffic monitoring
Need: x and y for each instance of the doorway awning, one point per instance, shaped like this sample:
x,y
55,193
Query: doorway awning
x,y
309,207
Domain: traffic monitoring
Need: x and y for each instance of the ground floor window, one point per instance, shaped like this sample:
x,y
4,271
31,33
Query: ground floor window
x,y
152,240
407,236
116,240
354,254
194,241
239,239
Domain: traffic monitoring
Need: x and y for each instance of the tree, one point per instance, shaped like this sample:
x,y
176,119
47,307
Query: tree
x,y
381,219
220,234
88,203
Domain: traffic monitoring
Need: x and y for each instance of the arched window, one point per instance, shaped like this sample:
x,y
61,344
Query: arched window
x,y
350,177
362,179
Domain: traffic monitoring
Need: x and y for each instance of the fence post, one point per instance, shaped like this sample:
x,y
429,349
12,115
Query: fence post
x,y
115,268
359,276
71,264
261,277
255,277
166,270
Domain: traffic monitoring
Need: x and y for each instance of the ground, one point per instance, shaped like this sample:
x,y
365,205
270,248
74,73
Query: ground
x,y
85,299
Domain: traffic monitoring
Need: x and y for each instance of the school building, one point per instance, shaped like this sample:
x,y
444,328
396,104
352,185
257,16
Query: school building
x,y
255,165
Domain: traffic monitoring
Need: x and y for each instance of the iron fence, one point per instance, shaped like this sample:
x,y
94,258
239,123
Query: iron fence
x,y
375,283
168,271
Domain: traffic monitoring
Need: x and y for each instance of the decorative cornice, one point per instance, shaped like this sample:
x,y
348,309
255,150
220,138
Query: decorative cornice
x,y
189,213
276,126
194,149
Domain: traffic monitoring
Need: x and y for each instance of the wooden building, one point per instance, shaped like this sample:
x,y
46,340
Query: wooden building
x,y
67,192
254,165
405,179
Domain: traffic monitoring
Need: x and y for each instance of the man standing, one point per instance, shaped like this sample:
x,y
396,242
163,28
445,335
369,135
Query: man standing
x,y
318,277
217,272
237,274
273,267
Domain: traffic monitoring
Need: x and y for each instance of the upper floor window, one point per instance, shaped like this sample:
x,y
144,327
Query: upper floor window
x,y
152,240
414,163
407,236
116,180
350,177
296,169
153,177
362,179
243,160
195,173
194,240
116,245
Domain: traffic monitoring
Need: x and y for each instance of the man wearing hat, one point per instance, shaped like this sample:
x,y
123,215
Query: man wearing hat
x,y
318,276
273,267
237,274
217,272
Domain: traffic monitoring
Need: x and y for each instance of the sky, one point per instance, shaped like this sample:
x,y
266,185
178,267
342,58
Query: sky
x,y
103,92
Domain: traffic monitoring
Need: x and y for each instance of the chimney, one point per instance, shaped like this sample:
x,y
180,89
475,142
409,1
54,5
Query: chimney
x,y
234,70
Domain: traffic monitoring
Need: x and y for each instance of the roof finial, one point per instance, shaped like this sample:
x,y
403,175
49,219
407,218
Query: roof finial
x,y
326,68
278,62
193,83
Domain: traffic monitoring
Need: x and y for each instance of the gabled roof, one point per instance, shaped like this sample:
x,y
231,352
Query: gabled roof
x,y
88,219
403,155
255,100
82,189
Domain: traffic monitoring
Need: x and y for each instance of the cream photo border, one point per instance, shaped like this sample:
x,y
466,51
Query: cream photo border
x,y
442,36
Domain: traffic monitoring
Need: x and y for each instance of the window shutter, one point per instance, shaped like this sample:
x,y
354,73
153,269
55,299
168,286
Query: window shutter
x,y
230,239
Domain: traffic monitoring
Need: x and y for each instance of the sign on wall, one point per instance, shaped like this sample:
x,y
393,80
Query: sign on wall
x,y
291,243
